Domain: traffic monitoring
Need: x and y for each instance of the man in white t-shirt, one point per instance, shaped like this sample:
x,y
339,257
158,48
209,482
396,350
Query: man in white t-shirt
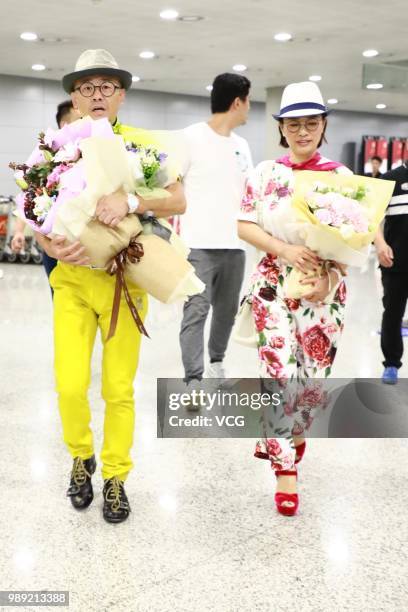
x,y
217,164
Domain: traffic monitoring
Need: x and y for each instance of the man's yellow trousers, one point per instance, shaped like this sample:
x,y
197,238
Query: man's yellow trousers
x,y
83,302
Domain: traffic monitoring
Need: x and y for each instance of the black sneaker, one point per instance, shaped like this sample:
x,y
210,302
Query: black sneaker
x,y
116,506
80,489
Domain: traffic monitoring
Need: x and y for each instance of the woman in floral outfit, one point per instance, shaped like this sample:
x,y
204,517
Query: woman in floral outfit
x,y
297,339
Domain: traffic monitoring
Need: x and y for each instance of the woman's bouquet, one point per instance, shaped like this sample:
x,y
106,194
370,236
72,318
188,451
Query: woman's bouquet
x,y
62,182
337,216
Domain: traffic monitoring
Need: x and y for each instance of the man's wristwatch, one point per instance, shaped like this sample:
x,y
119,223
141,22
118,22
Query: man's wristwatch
x,y
133,202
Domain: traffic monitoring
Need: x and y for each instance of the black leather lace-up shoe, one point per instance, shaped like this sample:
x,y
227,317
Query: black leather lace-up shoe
x,y
80,488
116,506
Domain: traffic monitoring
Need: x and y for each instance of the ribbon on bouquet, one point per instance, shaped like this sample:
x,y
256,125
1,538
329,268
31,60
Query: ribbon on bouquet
x,y
131,254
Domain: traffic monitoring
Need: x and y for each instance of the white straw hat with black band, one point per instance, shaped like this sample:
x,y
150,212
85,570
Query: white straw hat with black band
x,y
96,61
301,100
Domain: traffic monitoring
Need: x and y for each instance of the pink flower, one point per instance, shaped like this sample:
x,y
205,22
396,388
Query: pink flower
x,y
277,342
247,204
268,268
312,397
324,216
270,187
271,320
273,447
315,343
273,364
73,179
292,304
54,177
288,409
260,313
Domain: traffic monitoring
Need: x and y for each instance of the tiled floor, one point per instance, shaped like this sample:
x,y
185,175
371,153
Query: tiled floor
x,y
203,533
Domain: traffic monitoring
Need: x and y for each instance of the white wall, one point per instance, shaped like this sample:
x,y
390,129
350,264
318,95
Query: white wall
x,y
28,106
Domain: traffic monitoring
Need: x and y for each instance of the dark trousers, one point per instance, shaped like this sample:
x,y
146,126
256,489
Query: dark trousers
x,y
395,284
222,271
49,263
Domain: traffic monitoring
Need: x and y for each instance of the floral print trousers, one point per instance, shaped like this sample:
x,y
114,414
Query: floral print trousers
x,y
297,343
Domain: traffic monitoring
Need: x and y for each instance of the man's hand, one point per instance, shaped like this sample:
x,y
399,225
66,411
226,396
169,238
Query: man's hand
x,y
18,242
111,209
68,252
385,254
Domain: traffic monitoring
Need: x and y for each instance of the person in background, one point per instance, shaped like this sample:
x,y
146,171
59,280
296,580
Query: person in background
x,y
65,114
392,251
217,165
375,165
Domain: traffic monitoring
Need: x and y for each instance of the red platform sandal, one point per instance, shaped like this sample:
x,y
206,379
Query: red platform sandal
x,y
300,451
286,503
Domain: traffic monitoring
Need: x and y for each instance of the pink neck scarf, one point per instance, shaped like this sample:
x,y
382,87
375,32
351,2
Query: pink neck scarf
x,y
310,164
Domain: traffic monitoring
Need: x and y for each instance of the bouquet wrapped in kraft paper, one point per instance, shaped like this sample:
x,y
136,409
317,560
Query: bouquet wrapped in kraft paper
x,y
337,216
64,179
162,270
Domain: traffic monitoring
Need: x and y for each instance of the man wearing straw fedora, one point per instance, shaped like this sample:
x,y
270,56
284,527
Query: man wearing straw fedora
x,y
82,302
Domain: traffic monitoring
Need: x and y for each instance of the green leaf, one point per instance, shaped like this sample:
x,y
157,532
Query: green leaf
x,y
312,314
338,322
327,372
280,279
262,339
335,307
306,312
292,359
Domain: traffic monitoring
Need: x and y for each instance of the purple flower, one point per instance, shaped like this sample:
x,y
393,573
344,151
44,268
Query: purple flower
x,y
283,192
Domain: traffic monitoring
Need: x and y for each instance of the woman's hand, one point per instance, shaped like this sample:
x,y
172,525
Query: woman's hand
x,y
300,257
320,286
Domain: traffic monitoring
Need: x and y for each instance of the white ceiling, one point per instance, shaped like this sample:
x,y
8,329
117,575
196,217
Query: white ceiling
x,y
329,37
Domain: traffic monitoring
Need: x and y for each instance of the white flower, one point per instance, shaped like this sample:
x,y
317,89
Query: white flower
x,y
67,153
42,206
135,165
348,192
319,187
346,231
